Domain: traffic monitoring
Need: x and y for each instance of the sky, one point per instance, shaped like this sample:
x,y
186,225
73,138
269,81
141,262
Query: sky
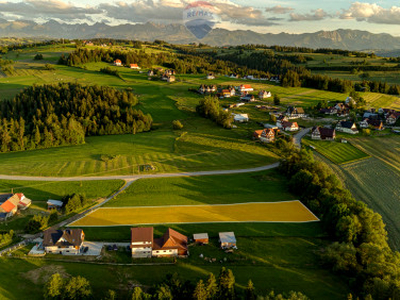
x,y
264,16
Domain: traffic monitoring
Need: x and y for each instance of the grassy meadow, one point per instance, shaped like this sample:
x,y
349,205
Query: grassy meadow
x,y
266,186
337,152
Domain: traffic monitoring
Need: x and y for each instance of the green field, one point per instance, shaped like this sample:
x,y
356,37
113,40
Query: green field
x,y
375,181
336,152
268,186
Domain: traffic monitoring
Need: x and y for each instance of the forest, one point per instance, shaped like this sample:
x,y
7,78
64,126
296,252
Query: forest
x,y
63,114
360,250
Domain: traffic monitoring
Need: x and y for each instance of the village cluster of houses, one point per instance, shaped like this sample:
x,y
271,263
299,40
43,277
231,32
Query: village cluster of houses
x,y
243,91
10,204
167,75
118,63
251,77
142,245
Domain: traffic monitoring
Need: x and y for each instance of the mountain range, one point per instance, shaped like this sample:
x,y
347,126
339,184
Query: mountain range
x,y
178,33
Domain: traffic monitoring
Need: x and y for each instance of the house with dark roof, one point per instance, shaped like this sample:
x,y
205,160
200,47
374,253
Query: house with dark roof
x,y
227,240
141,242
323,134
347,127
144,245
266,135
68,241
289,126
295,112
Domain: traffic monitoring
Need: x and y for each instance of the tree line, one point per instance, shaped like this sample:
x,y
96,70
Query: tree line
x,y
210,108
63,114
172,288
360,251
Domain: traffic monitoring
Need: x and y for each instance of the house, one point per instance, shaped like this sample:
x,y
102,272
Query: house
x,y
295,112
134,66
227,240
168,78
24,202
226,93
240,118
349,100
144,245
266,135
11,203
210,76
329,111
150,73
377,124
117,62
248,98
141,242
264,94
392,118
364,124
290,126
324,134
68,241
201,238
54,204
233,76
206,89
280,119
232,91
245,88
347,127
172,243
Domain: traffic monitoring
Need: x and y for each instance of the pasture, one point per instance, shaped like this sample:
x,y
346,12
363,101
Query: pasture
x,y
336,152
288,211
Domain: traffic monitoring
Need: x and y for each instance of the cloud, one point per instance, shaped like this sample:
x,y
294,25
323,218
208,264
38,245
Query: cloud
x,y
164,11
279,10
31,9
372,13
315,15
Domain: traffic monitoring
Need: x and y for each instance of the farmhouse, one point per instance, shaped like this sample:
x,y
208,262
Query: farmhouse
x,y
392,118
168,78
376,124
245,88
247,98
329,111
347,127
143,245
227,240
266,135
264,94
201,238
281,119
210,76
134,66
289,126
10,203
295,112
226,93
240,118
324,134
117,62
54,204
141,242
233,76
150,73
205,89
68,241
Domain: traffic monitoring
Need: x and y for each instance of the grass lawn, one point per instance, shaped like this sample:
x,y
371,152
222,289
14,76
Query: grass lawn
x,y
280,212
266,186
42,191
336,152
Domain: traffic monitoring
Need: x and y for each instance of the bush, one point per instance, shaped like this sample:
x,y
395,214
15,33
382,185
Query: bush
x,y
177,125
38,57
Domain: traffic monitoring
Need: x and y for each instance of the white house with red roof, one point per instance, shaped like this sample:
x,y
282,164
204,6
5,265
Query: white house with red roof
x,y
117,62
245,88
134,66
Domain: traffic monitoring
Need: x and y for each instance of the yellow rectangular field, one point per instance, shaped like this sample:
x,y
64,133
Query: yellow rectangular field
x,y
285,212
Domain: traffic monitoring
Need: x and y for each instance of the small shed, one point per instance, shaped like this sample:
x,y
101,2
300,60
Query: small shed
x,y
227,240
201,238
54,204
